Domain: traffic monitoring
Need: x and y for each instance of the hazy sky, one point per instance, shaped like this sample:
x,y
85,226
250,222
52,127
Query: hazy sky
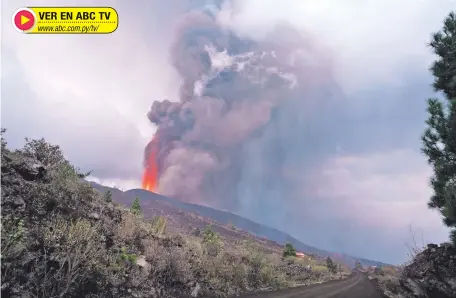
x,y
90,95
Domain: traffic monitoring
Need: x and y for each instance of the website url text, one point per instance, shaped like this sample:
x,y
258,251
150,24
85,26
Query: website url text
x,y
61,28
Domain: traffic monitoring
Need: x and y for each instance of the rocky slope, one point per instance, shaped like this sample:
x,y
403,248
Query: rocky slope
x,y
62,238
431,274
183,216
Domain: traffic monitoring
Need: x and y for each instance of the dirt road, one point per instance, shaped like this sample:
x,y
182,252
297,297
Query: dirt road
x,y
355,286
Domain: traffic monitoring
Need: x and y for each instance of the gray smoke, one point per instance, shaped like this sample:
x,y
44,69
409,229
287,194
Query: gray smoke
x,y
245,114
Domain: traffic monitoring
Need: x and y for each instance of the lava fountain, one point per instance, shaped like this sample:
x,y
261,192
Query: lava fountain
x,y
150,176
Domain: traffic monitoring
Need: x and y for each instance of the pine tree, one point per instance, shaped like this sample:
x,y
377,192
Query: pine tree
x,y
332,267
439,138
135,207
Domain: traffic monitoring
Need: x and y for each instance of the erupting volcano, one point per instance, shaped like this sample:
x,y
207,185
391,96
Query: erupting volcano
x,y
235,125
150,176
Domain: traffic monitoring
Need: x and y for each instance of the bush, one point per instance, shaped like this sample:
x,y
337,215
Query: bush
x,y
128,230
108,196
209,235
129,257
159,225
212,242
13,234
289,250
332,267
71,255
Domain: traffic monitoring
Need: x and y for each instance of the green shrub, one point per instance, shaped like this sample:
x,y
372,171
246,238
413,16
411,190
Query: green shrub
x,y
289,250
209,235
13,234
125,256
332,267
212,242
107,196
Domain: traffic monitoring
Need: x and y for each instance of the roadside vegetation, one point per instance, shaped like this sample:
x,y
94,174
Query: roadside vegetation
x,y
62,238
439,138
387,279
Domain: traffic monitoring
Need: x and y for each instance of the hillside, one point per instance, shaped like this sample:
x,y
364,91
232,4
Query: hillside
x,y
62,238
183,214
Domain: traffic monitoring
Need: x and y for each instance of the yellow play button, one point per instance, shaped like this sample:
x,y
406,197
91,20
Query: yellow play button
x,y
24,20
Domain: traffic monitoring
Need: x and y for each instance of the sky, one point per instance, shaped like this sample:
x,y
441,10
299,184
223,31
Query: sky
x,y
90,95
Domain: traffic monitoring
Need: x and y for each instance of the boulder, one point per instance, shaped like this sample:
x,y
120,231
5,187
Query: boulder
x,y
431,274
30,169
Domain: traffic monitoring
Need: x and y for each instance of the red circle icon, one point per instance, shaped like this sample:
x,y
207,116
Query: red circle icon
x,y
24,19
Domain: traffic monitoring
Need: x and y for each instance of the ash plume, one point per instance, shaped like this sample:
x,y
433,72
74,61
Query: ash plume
x,y
244,108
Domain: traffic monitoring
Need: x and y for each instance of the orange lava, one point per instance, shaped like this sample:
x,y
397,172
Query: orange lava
x,y
150,176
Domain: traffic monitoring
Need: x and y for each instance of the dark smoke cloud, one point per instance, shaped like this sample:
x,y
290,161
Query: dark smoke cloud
x,y
243,106
262,128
